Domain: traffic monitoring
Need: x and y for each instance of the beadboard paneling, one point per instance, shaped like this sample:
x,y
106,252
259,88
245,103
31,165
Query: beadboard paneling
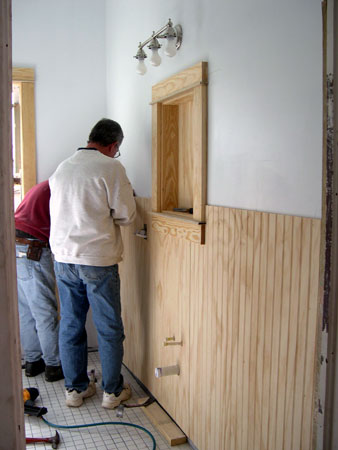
x,y
246,307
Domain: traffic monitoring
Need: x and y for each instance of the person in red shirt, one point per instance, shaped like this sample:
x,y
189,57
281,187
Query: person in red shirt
x,y
39,325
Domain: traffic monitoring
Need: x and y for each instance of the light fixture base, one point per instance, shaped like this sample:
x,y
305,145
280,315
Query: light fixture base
x,y
179,36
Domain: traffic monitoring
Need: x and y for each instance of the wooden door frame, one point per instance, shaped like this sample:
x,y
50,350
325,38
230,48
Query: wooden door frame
x,y
25,78
12,424
329,360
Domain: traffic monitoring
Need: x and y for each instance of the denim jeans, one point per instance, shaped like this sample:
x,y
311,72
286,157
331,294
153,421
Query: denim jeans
x,y
79,287
39,326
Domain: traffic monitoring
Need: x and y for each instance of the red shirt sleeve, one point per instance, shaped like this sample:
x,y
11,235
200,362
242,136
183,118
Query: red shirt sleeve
x,y
32,215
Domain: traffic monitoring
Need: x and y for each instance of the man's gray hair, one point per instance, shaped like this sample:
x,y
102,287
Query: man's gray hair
x,y
105,132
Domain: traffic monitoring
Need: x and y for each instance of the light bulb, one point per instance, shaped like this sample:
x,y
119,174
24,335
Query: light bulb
x,y
141,68
155,59
170,49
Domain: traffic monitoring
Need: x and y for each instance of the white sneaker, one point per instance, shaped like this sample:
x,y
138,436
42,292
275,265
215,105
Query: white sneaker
x,y
74,398
111,401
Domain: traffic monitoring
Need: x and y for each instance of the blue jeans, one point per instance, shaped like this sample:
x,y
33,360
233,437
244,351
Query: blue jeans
x,y
39,325
99,287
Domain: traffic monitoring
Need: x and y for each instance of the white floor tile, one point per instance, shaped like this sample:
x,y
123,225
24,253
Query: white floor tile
x,y
103,437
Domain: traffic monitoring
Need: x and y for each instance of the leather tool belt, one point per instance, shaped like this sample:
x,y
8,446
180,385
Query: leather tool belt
x,y
35,247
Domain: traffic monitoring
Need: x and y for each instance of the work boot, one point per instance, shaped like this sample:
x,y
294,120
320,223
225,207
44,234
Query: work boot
x,y
75,398
53,373
111,401
34,368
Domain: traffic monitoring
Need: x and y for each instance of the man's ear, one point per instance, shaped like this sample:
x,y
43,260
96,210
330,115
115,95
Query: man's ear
x,y
112,149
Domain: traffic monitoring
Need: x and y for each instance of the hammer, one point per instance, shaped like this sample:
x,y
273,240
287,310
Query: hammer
x,y
52,440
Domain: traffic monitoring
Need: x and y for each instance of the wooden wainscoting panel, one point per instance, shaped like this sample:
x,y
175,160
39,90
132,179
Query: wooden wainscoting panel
x,y
311,358
276,329
210,341
261,319
136,308
174,323
198,342
292,336
246,307
249,258
155,320
284,320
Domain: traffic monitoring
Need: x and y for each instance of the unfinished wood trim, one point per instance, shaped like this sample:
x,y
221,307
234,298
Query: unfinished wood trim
x,y
183,97
199,135
186,157
12,424
179,140
23,74
178,96
156,156
169,430
28,146
25,78
178,83
179,227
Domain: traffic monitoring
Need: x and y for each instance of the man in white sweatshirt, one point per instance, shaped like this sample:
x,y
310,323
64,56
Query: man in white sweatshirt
x,y
91,197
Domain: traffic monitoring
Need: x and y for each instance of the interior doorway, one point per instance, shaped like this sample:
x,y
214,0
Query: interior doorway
x,y
23,132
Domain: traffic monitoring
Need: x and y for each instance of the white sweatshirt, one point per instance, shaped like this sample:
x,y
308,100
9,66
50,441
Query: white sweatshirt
x,y
91,197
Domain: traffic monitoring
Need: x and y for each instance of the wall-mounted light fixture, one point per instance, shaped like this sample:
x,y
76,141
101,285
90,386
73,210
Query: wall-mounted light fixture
x,y
173,36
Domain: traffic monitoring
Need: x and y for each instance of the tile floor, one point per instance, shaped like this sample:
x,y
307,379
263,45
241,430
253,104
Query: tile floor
x,y
101,437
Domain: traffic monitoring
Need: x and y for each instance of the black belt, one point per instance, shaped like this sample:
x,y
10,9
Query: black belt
x,y
35,246
32,242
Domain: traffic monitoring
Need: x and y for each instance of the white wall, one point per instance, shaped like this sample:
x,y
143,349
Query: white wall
x,y
265,89
64,41
265,95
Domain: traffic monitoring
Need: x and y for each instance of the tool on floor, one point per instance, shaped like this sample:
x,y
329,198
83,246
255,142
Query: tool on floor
x,y
92,376
120,411
143,401
54,440
29,397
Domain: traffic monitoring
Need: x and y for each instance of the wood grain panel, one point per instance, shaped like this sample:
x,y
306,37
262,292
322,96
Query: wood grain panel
x,y
180,227
246,308
169,155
